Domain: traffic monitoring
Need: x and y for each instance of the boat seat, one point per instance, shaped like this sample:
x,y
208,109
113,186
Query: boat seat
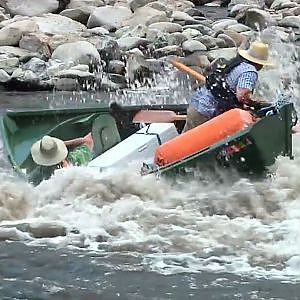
x,y
105,133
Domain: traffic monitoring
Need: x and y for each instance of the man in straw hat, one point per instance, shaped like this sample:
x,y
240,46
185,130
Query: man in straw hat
x,y
51,153
228,87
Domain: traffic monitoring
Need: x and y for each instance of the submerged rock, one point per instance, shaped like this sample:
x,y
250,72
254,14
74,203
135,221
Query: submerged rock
x,y
47,230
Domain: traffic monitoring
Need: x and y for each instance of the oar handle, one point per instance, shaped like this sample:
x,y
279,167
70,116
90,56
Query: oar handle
x,y
188,70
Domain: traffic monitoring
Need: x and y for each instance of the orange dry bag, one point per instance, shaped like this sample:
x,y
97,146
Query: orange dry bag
x,y
203,136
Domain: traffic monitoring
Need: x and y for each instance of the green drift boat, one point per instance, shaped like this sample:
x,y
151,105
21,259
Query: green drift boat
x,y
249,150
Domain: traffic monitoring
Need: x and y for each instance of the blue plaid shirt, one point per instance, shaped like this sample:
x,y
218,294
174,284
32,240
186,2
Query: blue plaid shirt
x,y
242,76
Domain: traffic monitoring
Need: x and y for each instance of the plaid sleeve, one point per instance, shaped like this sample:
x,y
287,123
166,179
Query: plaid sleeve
x,y
247,80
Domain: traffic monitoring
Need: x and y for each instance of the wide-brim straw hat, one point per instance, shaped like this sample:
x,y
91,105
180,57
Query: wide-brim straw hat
x,y
49,151
258,53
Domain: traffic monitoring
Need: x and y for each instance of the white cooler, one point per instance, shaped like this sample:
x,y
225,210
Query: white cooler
x,y
138,147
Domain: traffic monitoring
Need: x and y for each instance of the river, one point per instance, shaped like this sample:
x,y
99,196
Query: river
x,y
133,238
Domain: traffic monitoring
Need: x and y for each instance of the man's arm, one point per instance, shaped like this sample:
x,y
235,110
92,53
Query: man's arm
x,y
87,139
245,86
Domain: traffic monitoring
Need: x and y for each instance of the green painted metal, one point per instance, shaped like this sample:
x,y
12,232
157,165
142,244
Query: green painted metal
x,y
250,150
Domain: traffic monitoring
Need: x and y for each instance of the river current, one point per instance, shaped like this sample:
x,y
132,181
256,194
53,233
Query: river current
x,y
129,237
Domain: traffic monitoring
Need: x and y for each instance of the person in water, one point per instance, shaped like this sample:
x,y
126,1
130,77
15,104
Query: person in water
x,y
51,153
228,87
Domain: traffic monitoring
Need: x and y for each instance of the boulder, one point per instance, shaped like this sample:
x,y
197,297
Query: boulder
x,y
229,42
168,50
192,46
15,51
146,16
36,42
181,16
130,31
290,21
98,31
281,4
166,27
128,43
84,3
66,84
223,24
227,53
47,230
4,77
79,14
191,33
31,7
79,52
8,62
11,34
38,67
109,17
258,19
57,24
239,28
108,49
116,67
176,38
134,4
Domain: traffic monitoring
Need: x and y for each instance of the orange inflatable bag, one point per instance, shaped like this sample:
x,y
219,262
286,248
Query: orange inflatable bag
x,y
202,136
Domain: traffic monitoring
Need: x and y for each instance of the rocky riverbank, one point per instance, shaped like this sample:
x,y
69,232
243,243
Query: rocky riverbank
x,y
114,44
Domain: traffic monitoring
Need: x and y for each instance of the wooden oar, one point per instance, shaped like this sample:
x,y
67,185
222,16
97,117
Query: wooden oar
x,y
188,70
157,116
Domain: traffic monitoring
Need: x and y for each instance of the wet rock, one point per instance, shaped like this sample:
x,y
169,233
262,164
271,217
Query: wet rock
x,y
12,234
168,50
80,67
98,31
25,80
290,21
281,4
227,53
239,9
76,74
192,46
146,16
84,3
234,36
132,31
181,16
57,24
15,51
47,230
36,42
229,42
79,52
117,67
61,39
208,41
109,85
109,17
132,42
3,17
166,27
191,33
158,6
134,4
223,24
108,49
11,34
101,238
176,38
8,62
258,19
158,38
205,30
196,59
194,12
239,28
4,77
31,7
79,14
38,67
66,84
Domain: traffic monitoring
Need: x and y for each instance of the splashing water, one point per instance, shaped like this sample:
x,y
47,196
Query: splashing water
x,y
236,226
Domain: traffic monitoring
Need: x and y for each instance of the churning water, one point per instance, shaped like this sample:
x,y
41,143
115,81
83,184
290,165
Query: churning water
x,y
234,226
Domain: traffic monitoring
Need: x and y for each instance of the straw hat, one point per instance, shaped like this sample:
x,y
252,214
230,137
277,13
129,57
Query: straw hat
x,y
49,151
257,53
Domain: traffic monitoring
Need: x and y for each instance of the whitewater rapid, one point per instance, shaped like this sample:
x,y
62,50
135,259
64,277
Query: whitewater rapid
x,y
233,225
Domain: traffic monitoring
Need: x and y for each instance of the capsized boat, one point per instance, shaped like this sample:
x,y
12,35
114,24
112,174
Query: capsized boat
x,y
247,141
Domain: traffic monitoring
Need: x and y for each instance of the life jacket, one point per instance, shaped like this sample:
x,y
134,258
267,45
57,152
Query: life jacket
x,y
216,83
